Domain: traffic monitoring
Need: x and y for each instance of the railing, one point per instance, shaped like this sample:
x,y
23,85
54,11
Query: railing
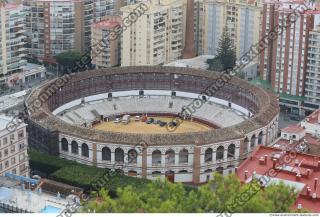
x,y
12,209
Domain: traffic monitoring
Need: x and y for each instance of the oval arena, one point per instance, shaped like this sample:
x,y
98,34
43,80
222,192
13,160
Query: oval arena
x,y
78,121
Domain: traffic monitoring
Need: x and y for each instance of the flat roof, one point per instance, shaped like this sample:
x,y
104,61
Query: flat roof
x,y
108,23
4,121
313,118
302,163
293,129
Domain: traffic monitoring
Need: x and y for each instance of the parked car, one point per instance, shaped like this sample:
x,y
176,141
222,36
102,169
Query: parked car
x,y
157,122
117,120
150,121
137,118
162,124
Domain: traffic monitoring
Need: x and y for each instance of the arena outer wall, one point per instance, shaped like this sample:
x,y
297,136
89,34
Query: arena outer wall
x,y
196,155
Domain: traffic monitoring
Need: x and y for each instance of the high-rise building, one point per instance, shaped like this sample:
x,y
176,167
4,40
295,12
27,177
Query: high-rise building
x,y
312,83
283,64
240,18
11,40
13,148
110,55
189,50
55,26
157,36
198,26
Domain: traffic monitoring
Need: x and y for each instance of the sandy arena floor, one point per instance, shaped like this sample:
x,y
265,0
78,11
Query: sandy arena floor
x,y
141,127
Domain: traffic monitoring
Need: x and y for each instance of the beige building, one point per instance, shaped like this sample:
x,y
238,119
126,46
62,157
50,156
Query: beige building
x,y
13,148
155,38
109,56
240,17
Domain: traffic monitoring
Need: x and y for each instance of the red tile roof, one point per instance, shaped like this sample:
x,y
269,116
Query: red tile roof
x,y
293,129
313,118
301,162
108,23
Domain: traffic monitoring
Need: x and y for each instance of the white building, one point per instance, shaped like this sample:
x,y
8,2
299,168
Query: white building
x,y
12,43
312,86
13,148
241,18
155,38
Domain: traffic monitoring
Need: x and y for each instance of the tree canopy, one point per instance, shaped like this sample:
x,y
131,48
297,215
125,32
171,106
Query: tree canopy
x,y
67,60
216,196
226,54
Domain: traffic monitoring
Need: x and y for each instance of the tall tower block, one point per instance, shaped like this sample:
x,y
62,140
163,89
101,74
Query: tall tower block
x,y
189,50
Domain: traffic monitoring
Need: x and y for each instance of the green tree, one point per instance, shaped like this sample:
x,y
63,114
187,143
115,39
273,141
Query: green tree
x,y
216,196
215,64
226,54
66,60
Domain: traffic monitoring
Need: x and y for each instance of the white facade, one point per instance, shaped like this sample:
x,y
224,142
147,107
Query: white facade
x,y
312,86
241,19
13,148
12,50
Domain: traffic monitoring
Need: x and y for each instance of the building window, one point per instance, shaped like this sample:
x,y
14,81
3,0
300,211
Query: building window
x,y
12,137
6,152
5,140
208,155
13,160
106,154
22,168
119,155
13,149
220,153
22,157
6,164
20,134
85,150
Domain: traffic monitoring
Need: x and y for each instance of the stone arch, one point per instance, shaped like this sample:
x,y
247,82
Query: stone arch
x,y
231,151
64,145
84,150
208,155
119,155
156,157
183,156
132,156
220,153
106,154
260,138
170,157
252,141
74,147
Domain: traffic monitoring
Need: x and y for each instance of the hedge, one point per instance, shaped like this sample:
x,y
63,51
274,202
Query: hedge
x,y
91,178
80,175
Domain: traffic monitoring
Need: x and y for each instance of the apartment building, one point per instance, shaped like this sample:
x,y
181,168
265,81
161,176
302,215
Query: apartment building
x,y
199,28
240,17
312,82
55,26
12,41
284,63
157,36
110,55
13,148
